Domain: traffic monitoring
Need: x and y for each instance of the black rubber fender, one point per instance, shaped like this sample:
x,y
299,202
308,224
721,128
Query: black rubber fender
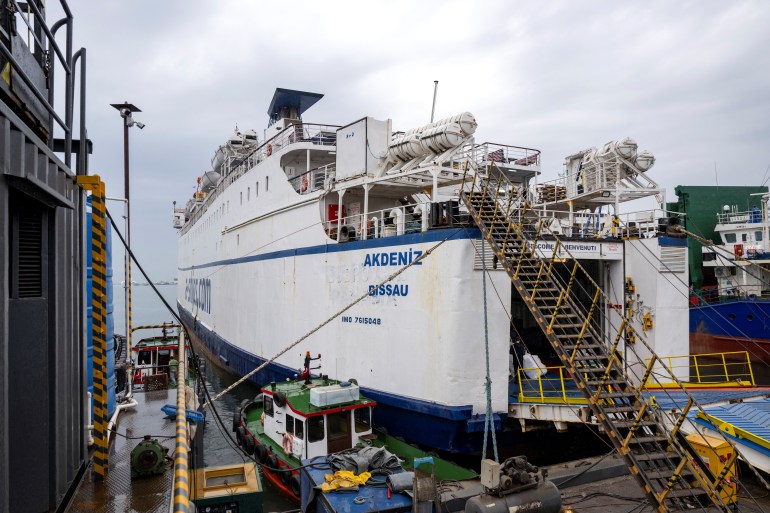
x,y
240,434
261,452
271,462
248,444
279,399
236,420
294,484
285,476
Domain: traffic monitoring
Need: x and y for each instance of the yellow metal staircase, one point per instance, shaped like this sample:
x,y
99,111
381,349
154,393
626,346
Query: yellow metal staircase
x,y
568,306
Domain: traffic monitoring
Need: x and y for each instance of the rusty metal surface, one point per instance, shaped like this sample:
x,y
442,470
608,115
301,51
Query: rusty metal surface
x,y
118,492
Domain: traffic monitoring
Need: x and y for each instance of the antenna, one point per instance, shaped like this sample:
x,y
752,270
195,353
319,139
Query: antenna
x,y
433,110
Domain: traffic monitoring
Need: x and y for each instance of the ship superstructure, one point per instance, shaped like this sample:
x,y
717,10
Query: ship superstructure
x,y
316,215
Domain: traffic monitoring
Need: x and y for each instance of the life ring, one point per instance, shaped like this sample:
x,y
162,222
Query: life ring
x,y
269,149
294,484
304,183
287,444
248,444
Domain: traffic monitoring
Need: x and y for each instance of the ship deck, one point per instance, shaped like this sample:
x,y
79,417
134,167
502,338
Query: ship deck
x,y
119,493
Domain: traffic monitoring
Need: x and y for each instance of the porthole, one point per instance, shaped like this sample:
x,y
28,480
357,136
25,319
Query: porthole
x,y
731,316
749,317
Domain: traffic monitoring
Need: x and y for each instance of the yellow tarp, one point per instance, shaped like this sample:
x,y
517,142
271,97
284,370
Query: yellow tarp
x,y
344,479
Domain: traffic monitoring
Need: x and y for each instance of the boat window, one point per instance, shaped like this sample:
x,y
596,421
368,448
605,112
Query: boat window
x,y
729,238
299,429
248,193
241,197
144,358
256,190
744,237
267,183
269,406
363,418
758,236
289,424
315,429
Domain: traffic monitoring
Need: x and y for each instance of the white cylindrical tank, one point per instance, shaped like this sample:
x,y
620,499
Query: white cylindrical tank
x,y
218,159
625,147
436,137
209,180
441,138
466,120
644,161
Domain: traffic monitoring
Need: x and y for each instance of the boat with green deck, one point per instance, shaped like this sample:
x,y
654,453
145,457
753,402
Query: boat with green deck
x,y
300,420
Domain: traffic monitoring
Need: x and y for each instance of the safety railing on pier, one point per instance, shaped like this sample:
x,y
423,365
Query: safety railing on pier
x,y
709,369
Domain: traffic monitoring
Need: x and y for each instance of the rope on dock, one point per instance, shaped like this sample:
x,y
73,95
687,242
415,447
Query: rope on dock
x,y
330,319
181,500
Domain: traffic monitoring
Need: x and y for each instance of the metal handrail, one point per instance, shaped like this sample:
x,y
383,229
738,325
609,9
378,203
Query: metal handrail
x,y
710,373
549,389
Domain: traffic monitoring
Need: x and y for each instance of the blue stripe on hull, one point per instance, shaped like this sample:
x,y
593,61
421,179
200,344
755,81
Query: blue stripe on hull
x,y
334,247
447,428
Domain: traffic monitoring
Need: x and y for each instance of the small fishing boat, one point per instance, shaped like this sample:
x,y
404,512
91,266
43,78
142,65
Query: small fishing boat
x,y
295,421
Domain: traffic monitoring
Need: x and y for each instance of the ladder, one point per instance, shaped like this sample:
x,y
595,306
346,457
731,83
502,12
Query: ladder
x,y
568,305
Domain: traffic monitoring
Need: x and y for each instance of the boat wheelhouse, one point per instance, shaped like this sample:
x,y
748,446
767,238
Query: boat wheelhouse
x,y
154,357
298,420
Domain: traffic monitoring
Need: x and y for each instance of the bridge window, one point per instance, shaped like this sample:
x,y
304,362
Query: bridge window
x,y
744,237
299,429
363,419
315,429
269,406
729,238
758,236
289,424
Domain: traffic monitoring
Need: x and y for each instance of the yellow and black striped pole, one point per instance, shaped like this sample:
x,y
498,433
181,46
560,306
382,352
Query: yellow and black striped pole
x,y
181,499
94,184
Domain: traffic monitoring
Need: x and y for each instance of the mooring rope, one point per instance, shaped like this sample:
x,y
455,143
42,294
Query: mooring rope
x,y
330,319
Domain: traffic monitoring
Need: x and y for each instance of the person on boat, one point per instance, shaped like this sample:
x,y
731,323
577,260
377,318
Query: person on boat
x,y
173,366
306,373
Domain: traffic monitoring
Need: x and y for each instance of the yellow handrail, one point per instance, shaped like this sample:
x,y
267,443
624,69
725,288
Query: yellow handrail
x,y
546,389
711,369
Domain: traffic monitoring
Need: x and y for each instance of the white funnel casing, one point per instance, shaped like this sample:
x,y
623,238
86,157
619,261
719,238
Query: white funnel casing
x,y
437,137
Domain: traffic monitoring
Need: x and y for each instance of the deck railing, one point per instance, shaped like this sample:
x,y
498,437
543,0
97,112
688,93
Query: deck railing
x,y
705,370
710,369
313,180
553,386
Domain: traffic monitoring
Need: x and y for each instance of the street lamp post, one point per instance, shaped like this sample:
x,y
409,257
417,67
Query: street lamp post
x,y
126,112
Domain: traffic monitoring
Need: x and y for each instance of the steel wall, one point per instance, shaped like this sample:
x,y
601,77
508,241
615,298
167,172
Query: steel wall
x,y
30,172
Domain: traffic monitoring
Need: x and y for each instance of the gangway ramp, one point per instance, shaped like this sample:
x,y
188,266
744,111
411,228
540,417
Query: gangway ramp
x,y
569,312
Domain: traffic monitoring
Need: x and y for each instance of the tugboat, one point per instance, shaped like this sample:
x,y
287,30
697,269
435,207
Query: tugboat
x,y
294,421
154,358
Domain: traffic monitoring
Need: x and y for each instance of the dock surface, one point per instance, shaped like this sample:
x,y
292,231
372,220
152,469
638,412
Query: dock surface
x,y
118,492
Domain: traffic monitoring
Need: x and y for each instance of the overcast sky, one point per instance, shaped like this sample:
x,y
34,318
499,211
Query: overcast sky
x,y
690,81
